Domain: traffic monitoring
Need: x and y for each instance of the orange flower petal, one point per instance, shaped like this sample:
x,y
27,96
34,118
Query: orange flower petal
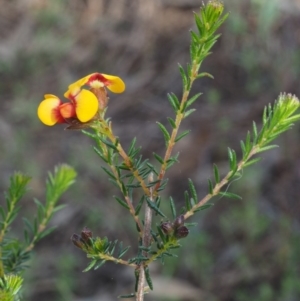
x,y
86,105
48,110
67,110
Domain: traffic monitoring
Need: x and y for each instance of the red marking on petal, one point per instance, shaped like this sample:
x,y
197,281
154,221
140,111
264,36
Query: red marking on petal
x,y
72,93
98,77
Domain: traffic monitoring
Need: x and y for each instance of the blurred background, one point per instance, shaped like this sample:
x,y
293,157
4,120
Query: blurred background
x,y
240,250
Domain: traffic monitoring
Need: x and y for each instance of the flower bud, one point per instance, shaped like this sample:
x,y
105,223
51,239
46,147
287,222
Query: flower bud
x,y
77,241
179,221
181,232
217,6
167,227
86,234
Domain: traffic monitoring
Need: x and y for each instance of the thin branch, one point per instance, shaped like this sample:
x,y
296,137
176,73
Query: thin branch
x,y
108,132
178,120
146,244
115,260
219,185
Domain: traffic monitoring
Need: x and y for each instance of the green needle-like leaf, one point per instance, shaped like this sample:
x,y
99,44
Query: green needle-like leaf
x,y
189,112
183,76
173,208
148,278
216,173
193,190
206,206
122,203
193,99
251,162
172,122
158,158
91,265
230,195
139,205
174,101
154,207
129,296
182,135
165,132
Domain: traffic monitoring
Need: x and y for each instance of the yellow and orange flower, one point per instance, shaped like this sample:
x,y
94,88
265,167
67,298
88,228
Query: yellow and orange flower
x,y
83,104
100,80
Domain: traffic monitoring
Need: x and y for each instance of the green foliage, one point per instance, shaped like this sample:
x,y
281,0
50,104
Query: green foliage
x,y
10,286
15,253
276,120
14,256
98,249
56,184
18,184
